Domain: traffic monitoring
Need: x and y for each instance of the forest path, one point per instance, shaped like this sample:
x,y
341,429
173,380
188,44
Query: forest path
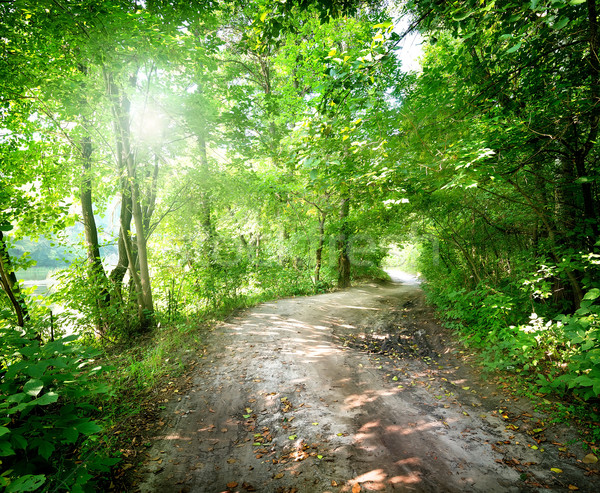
x,y
287,401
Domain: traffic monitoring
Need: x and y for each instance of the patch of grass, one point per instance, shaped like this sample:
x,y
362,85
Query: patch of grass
x,y
147,373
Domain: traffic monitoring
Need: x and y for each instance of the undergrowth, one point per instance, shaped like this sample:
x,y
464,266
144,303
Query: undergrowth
x,y
554,360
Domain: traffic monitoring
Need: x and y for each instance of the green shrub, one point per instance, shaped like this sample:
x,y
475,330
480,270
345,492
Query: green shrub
x,y
47,395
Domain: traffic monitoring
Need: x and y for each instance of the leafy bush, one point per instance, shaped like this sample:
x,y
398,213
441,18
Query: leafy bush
x,y
561,353
582,348
47,394
93,304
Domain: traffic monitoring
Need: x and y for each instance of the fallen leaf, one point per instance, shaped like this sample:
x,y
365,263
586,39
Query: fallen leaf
x,y
590,459
248,487
232,485
556,470
466,388
572,487
356,488
293,437
333,483
231,461
315,424
223,430
279,475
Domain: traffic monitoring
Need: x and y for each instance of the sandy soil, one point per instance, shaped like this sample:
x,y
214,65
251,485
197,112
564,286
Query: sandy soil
x,y
288,400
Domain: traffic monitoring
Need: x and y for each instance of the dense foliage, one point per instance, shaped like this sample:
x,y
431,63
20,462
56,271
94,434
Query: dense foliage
x,y
185,159
508,106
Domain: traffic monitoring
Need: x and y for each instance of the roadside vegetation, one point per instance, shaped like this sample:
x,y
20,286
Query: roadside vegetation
x,y
166,163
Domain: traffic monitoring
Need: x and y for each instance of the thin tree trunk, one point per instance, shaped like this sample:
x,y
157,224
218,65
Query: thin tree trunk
x,y
118,273
121,112
344,257
151,202
11,286
319,251
147,318
206,219
575,284
97,273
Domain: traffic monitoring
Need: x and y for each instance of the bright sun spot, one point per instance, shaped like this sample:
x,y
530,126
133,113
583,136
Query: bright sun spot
x,y
147,122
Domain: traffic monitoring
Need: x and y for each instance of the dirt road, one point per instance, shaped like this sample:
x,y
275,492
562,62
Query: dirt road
x,y
288,399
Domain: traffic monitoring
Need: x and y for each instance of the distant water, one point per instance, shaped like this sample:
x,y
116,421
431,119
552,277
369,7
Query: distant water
x,y
42,286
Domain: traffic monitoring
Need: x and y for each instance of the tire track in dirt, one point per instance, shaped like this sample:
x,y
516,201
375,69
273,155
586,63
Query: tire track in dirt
x,y
285,401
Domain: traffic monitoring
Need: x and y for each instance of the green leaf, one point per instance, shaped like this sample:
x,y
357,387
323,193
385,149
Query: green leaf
x,y
70,435
4,430
592,294
514,48
37,370
88,428
16,397
6,449
18,442
461,16
26,483
33,387
49,398
45,449
561,23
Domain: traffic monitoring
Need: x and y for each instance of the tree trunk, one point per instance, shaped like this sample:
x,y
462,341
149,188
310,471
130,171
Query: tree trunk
x,y
96,270
344,257
151,201
319,251
121,113
206,219
589,209
11,286
144,283
118,273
